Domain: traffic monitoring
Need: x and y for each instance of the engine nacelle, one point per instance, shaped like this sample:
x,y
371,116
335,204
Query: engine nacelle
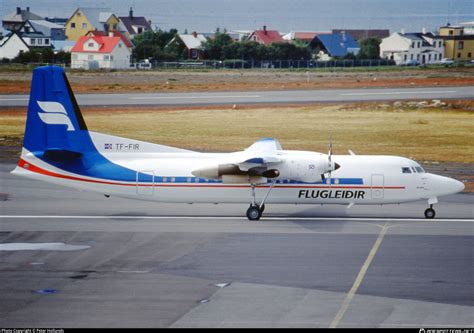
x,y
304,169
231,174
216,171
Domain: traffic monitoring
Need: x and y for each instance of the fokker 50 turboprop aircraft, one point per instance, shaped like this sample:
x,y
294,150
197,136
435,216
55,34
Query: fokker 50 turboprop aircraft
x,y
58,148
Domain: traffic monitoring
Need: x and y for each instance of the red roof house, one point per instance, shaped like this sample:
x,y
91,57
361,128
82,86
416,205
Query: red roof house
x,y
91,52
266,37
114,33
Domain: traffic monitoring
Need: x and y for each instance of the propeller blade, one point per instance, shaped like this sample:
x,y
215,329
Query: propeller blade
x,y
330,159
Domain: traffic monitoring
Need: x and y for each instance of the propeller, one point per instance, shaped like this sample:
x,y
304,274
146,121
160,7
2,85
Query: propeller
x,y
332,166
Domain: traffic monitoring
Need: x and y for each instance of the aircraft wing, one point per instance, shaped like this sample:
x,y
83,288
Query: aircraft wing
x,y
257,160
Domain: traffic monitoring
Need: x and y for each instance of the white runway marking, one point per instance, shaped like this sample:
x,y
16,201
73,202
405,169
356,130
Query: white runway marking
x,y
400,93
269,218
194,97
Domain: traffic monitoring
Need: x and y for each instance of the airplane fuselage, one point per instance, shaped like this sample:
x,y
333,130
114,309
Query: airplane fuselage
x,y
361,180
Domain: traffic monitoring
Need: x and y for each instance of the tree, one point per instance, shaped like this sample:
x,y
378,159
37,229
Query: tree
x,y
251,50
369,48
42,55
152,44
350,56
287,51
217,47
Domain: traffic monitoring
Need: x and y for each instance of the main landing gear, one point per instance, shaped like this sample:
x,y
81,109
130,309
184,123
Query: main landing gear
x,y
254,212
430,212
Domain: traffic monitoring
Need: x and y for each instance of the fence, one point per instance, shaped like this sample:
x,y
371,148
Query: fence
x,y
273,64
215,64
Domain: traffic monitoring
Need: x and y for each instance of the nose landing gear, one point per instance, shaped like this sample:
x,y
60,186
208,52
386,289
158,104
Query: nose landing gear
x,y
430,212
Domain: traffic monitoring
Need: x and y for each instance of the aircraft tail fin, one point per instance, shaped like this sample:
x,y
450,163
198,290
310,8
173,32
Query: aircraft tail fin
x,y
55,127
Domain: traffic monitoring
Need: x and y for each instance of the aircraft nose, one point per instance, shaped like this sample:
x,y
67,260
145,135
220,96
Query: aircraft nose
x,y
456,185
445,185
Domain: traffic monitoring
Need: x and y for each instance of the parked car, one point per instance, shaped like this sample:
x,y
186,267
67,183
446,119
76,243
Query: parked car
x,y
446,61
411,62
143,64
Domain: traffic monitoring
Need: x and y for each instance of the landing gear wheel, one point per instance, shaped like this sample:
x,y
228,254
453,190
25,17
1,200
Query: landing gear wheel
x,y
262,209
430,213
254,213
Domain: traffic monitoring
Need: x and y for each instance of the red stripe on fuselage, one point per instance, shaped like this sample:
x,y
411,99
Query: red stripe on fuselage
x,y
33,168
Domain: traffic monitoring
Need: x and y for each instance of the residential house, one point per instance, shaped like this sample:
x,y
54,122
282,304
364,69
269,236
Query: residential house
x,y
84,20
404,48
359,34
12,45
35,39
135,25
114,33
304,36
92,52
192,43
458,45
334,45
40,33
47,28
266,37
14,21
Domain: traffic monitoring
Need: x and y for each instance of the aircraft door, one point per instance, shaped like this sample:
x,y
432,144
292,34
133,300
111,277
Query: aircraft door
x,y
377,186
145,182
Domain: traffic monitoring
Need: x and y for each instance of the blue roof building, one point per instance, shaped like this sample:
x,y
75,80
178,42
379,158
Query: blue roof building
x,y
335,44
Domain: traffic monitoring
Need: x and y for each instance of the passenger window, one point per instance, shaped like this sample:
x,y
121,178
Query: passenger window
x,y
164,179
419,169
406,170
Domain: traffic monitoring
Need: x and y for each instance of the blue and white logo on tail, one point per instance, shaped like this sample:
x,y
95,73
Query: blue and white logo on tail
x,y
54,114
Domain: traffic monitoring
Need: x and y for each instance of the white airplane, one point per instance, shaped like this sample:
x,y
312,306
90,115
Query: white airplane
x,y
59,149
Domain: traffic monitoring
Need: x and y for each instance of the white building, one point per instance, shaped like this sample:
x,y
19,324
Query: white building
x,y
405,48
92,52
11,46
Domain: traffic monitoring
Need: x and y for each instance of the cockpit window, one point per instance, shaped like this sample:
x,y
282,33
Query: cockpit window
x,y
413,169
419,169
406,170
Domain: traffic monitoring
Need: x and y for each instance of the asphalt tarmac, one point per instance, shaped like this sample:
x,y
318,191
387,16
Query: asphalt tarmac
x,y
259,97
111,262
